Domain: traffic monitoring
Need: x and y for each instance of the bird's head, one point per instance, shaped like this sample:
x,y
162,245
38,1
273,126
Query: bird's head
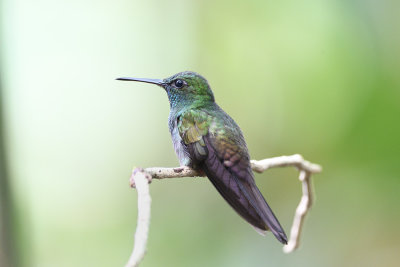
x,y
184,89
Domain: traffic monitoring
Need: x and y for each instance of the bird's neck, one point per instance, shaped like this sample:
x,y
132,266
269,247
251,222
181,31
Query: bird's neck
x,y
181,105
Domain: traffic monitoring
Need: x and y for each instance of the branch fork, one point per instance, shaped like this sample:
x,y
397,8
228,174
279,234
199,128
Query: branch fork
x,y
141,178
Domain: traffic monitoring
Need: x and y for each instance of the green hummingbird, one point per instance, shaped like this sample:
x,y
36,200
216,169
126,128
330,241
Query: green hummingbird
x,y
208,139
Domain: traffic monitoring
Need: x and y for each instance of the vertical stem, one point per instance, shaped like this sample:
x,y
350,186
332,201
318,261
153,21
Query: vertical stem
x,y
301,212
141,181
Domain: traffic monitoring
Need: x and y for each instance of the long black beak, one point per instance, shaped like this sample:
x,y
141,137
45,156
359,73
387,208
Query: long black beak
x,y
143,80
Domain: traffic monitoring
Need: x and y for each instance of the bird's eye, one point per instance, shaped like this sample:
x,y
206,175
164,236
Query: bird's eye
x,y
179,83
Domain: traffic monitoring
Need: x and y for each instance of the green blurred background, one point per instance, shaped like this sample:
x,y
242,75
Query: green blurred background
x,y
319,78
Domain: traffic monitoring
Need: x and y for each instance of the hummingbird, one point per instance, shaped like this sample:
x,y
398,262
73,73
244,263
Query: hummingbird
x,y
207,139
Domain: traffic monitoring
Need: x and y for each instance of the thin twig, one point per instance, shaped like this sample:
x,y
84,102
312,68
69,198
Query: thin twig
x,y
295,160
178,172
140,179
301,212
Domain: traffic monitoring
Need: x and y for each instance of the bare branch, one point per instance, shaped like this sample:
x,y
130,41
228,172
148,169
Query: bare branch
x,y
178,172
283,161
301,212
140,178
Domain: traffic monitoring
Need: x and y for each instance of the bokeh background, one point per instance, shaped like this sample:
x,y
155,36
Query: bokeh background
x,y
319,78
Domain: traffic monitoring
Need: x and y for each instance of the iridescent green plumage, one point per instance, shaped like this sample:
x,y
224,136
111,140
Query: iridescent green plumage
x,y
207,138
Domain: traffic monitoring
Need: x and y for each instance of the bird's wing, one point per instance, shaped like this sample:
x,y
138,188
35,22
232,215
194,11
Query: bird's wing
x,y
220,151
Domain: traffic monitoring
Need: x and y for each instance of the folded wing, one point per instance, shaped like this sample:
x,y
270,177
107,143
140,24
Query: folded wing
x,y
218,148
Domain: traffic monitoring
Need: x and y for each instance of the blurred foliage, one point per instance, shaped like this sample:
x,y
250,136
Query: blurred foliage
x,y
318,78
7,247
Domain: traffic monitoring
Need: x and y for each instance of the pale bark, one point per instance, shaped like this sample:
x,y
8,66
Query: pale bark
x,y
142,177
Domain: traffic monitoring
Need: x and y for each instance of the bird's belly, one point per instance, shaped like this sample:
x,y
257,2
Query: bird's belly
x,y
180,149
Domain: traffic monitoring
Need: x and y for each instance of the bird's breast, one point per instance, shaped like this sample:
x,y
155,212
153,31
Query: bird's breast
x,y
179,147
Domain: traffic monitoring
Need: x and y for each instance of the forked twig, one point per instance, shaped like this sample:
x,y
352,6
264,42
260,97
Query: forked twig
x,y
141,177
